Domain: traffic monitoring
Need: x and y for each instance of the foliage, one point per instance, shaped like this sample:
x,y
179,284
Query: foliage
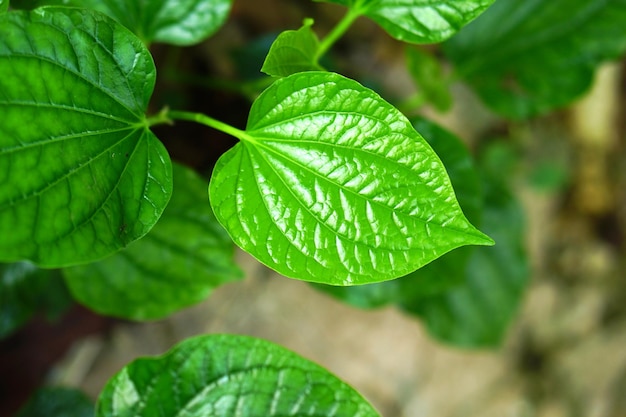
x,y
329,182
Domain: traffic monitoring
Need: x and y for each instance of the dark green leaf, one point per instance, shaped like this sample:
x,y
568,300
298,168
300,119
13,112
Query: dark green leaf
x,y
447,271
478,313
81,176
427,73
178,22
528,57
57,402
227,376
177,264
26,290
293,51
418,21
332,184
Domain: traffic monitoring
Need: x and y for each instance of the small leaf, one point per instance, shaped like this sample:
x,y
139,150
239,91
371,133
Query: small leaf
x,y
57,402
227,376
81,176
178,22
293,51
527,58
26,290
332,184
427,73
442,273
478,313
418,21
185,256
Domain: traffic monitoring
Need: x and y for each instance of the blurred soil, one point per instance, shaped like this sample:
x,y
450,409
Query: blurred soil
x,y
565,355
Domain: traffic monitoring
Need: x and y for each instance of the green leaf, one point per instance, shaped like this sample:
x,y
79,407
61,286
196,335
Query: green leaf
x,y
418,21
81,175
427,73
449,270
4,6
26,290
57,402
183,258
526,58
178,22
227,376
478,313
332,184
293,51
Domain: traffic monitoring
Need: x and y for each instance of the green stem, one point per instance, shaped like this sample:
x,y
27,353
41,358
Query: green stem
x,y
166,116
338,31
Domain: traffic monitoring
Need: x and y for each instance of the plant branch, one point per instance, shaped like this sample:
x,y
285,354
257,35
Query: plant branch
x,y
337,32
167,116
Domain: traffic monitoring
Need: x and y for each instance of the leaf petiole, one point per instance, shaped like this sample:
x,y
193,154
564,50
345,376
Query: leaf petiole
x,y
167,116
338,31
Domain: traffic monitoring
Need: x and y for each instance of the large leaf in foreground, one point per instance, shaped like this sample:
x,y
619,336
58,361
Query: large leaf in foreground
x,y
81,176
528,57
184,257
228,376
332,184
178,22
442,273
418,21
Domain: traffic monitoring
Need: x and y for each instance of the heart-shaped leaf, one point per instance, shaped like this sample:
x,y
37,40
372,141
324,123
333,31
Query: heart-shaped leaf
x,y
442,273
81,175
178,22
418,21
177,264
332,184
293,51
528,57
228,376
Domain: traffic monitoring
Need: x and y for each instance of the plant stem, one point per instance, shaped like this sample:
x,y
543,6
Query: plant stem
x,y
167,116
338,31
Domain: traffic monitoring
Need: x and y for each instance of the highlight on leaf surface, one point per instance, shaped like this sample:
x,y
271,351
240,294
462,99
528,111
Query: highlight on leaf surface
x,y
228,376
332,184
81,175
178,263
418,21
178,22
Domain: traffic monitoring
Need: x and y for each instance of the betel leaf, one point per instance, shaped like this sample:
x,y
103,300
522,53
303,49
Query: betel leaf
x,y
81,175
293,51
178,22
332,184
57,402
478,313
448,270
185,256
26,290
526,58
418,21
228,376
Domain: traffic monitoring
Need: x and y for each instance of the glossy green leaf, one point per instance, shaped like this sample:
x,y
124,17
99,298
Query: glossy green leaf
x,y
293,51
178,22
57,402
418,21
431,81
478,313
332,184
183,258
228,376
26,290
449,270
528,57
81,175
